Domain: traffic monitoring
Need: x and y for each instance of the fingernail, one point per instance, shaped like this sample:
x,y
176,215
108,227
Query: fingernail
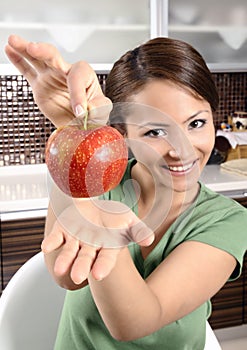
x,y
99,279
79,111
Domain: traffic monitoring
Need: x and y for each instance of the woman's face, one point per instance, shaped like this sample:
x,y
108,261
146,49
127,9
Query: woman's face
x,y
171,134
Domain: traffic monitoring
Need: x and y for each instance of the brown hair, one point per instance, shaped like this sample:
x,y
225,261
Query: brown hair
x,y
161,58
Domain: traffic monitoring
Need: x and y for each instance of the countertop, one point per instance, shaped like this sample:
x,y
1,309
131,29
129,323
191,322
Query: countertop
x,y
219,180
24,190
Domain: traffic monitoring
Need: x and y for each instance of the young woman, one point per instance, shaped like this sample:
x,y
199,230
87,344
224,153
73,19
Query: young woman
x,y
154,293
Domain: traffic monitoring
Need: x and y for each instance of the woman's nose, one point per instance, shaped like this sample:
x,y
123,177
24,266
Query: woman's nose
x,y
174,154
181,148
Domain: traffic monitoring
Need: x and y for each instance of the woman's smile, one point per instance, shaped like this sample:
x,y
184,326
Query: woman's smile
x,y
180,169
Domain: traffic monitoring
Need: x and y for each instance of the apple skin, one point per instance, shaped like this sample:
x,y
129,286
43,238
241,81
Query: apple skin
x,y
86,163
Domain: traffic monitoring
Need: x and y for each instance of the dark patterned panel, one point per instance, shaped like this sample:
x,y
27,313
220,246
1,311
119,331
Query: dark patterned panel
x,y
227,305
245,289
232,88
20,240
24,130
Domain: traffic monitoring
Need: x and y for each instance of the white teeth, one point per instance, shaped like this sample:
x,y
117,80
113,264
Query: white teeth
x,y
180,168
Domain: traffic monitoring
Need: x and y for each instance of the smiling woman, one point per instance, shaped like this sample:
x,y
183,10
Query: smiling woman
x,y
183,240
186,142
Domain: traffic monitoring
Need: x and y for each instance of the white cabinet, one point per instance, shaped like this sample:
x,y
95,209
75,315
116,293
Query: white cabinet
x,y
217,29
98,31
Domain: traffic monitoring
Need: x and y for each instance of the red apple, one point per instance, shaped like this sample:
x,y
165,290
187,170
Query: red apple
x,y
86,163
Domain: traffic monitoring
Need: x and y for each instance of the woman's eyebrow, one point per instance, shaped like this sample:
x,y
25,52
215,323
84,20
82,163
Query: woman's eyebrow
x,y
196,114
153,125
161,124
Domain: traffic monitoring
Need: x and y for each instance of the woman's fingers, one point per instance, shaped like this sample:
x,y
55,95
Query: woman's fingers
x,y
52,242
45,55
83,264
140,233
105,262
80,78
17,51
66,257
40,55
21,64
67,248
99,109
86,94
98,262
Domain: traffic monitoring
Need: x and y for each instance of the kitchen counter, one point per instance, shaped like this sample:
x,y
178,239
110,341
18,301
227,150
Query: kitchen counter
x,y
24,190
219,180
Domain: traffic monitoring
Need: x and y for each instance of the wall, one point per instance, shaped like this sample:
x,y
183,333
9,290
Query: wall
x,y
24,130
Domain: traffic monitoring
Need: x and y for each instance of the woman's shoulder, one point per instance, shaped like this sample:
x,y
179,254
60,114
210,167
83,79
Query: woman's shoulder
x,y
213,214
214,199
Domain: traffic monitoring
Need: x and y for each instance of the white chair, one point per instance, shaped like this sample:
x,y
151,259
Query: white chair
x,y
30,308
211,339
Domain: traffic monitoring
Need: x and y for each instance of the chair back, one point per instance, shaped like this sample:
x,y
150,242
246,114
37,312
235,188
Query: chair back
x,y
211,339
30,308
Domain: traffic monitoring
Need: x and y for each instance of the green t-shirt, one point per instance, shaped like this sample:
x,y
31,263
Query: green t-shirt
x,y
213,219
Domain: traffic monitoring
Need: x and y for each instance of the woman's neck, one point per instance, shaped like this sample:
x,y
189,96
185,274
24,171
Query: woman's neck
x,y
159,205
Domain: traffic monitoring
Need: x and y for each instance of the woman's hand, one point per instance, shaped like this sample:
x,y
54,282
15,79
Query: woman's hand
x,y
90,234
61,90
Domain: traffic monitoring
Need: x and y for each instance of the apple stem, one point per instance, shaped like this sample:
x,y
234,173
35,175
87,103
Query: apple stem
x,y
85,120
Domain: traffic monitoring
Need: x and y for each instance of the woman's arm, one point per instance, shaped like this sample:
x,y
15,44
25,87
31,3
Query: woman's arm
x,y
132,307
61,90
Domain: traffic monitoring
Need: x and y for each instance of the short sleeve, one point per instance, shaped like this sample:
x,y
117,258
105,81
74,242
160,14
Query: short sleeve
x,y
228,232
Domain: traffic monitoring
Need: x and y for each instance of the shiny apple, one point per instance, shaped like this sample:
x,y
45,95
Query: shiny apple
x,y
86,163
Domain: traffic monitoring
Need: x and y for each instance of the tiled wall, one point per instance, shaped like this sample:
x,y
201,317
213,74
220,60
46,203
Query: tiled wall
x,y
232,88
24,130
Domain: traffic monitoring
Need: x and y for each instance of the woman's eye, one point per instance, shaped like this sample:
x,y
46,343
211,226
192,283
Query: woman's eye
x,y
156,133
198,123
